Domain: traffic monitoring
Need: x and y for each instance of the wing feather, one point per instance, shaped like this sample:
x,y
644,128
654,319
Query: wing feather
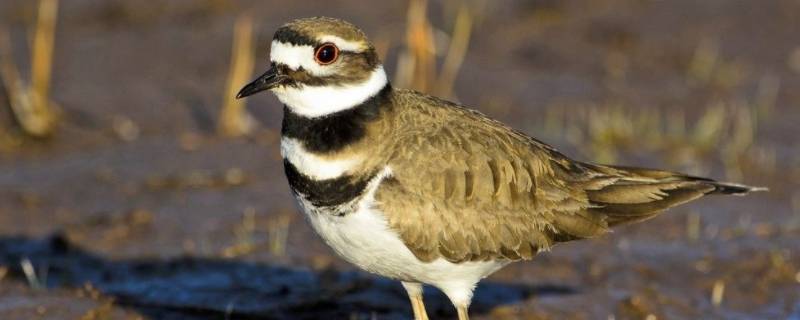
x,y
467,188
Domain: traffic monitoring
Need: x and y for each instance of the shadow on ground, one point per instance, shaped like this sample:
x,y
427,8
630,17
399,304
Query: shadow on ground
x,y
200,288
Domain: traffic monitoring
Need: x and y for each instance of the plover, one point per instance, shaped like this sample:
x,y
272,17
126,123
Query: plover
x,y
426,191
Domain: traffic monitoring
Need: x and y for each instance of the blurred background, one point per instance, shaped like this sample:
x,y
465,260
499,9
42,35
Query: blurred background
x,y
132,185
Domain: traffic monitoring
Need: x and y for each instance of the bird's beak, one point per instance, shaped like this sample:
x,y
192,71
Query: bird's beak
x,y
270,79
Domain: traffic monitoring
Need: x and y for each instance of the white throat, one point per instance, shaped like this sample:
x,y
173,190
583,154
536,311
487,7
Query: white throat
x,y
313,101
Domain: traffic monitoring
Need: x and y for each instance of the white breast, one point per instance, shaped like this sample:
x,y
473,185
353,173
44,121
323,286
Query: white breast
x,y
365,239
314,166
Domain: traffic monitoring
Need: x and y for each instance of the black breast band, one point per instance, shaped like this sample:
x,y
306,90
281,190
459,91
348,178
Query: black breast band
x,y
325,193
335,131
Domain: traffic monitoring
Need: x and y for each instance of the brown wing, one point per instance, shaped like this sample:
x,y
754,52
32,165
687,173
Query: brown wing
x,y
486,191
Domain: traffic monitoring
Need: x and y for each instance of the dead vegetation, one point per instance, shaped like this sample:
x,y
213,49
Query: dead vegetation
x,y
249,234
30,102
723,132
234,120
418,61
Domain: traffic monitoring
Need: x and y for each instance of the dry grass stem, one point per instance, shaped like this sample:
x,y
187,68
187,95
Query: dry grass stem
x,y
706,55
456,51
234,119
708,129
278,229
42,56
717,293
417,63
31,105
245,236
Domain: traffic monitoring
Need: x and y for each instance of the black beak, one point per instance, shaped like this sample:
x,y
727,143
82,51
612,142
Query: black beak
x,y
266,81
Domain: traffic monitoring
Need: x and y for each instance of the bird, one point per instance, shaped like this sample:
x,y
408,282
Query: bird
x,y
426,191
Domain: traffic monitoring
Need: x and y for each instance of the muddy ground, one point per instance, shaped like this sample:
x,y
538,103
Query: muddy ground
x,y
174,222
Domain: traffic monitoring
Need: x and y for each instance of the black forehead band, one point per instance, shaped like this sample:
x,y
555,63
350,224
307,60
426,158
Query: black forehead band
x,y
287,35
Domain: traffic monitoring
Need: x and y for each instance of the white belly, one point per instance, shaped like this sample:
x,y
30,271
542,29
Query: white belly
x,y
363,238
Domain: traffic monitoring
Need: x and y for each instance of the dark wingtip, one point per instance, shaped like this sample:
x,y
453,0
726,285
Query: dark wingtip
x,y
735,188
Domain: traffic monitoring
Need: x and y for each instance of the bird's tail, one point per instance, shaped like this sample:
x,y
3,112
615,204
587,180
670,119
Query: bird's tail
x,y
734,188
639,194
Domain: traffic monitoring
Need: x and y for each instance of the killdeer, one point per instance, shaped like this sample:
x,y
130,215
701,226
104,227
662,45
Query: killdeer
x,y
425,191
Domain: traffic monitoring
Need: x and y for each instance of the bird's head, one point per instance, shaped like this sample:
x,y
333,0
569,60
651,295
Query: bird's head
x,y
320,66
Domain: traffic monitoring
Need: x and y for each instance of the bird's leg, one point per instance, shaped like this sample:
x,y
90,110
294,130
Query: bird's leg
x,y
414,290
463,313
419,308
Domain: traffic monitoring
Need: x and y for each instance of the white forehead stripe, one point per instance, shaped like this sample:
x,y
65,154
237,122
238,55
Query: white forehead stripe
x,y
313,166
316,101
296,56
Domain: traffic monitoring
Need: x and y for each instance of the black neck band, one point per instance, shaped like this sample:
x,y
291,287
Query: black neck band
x,y
334,131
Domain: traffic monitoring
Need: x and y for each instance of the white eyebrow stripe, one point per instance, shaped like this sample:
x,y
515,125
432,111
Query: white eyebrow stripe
x,y
343,44
297,56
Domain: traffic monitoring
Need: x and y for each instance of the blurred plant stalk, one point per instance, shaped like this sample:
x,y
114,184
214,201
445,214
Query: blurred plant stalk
x,y
245,236
278,230
234,119
459,43
416,64
247,240
30,104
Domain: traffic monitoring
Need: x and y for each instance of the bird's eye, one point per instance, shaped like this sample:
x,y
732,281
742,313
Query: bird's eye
x,y
326,53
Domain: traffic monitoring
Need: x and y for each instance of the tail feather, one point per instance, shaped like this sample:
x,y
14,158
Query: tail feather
x,y
733,188
639,194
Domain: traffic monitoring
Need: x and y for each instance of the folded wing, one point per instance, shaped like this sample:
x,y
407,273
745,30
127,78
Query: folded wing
x,y
490,192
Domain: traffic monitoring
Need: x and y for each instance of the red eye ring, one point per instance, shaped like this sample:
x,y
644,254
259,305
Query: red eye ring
x,y
326,53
